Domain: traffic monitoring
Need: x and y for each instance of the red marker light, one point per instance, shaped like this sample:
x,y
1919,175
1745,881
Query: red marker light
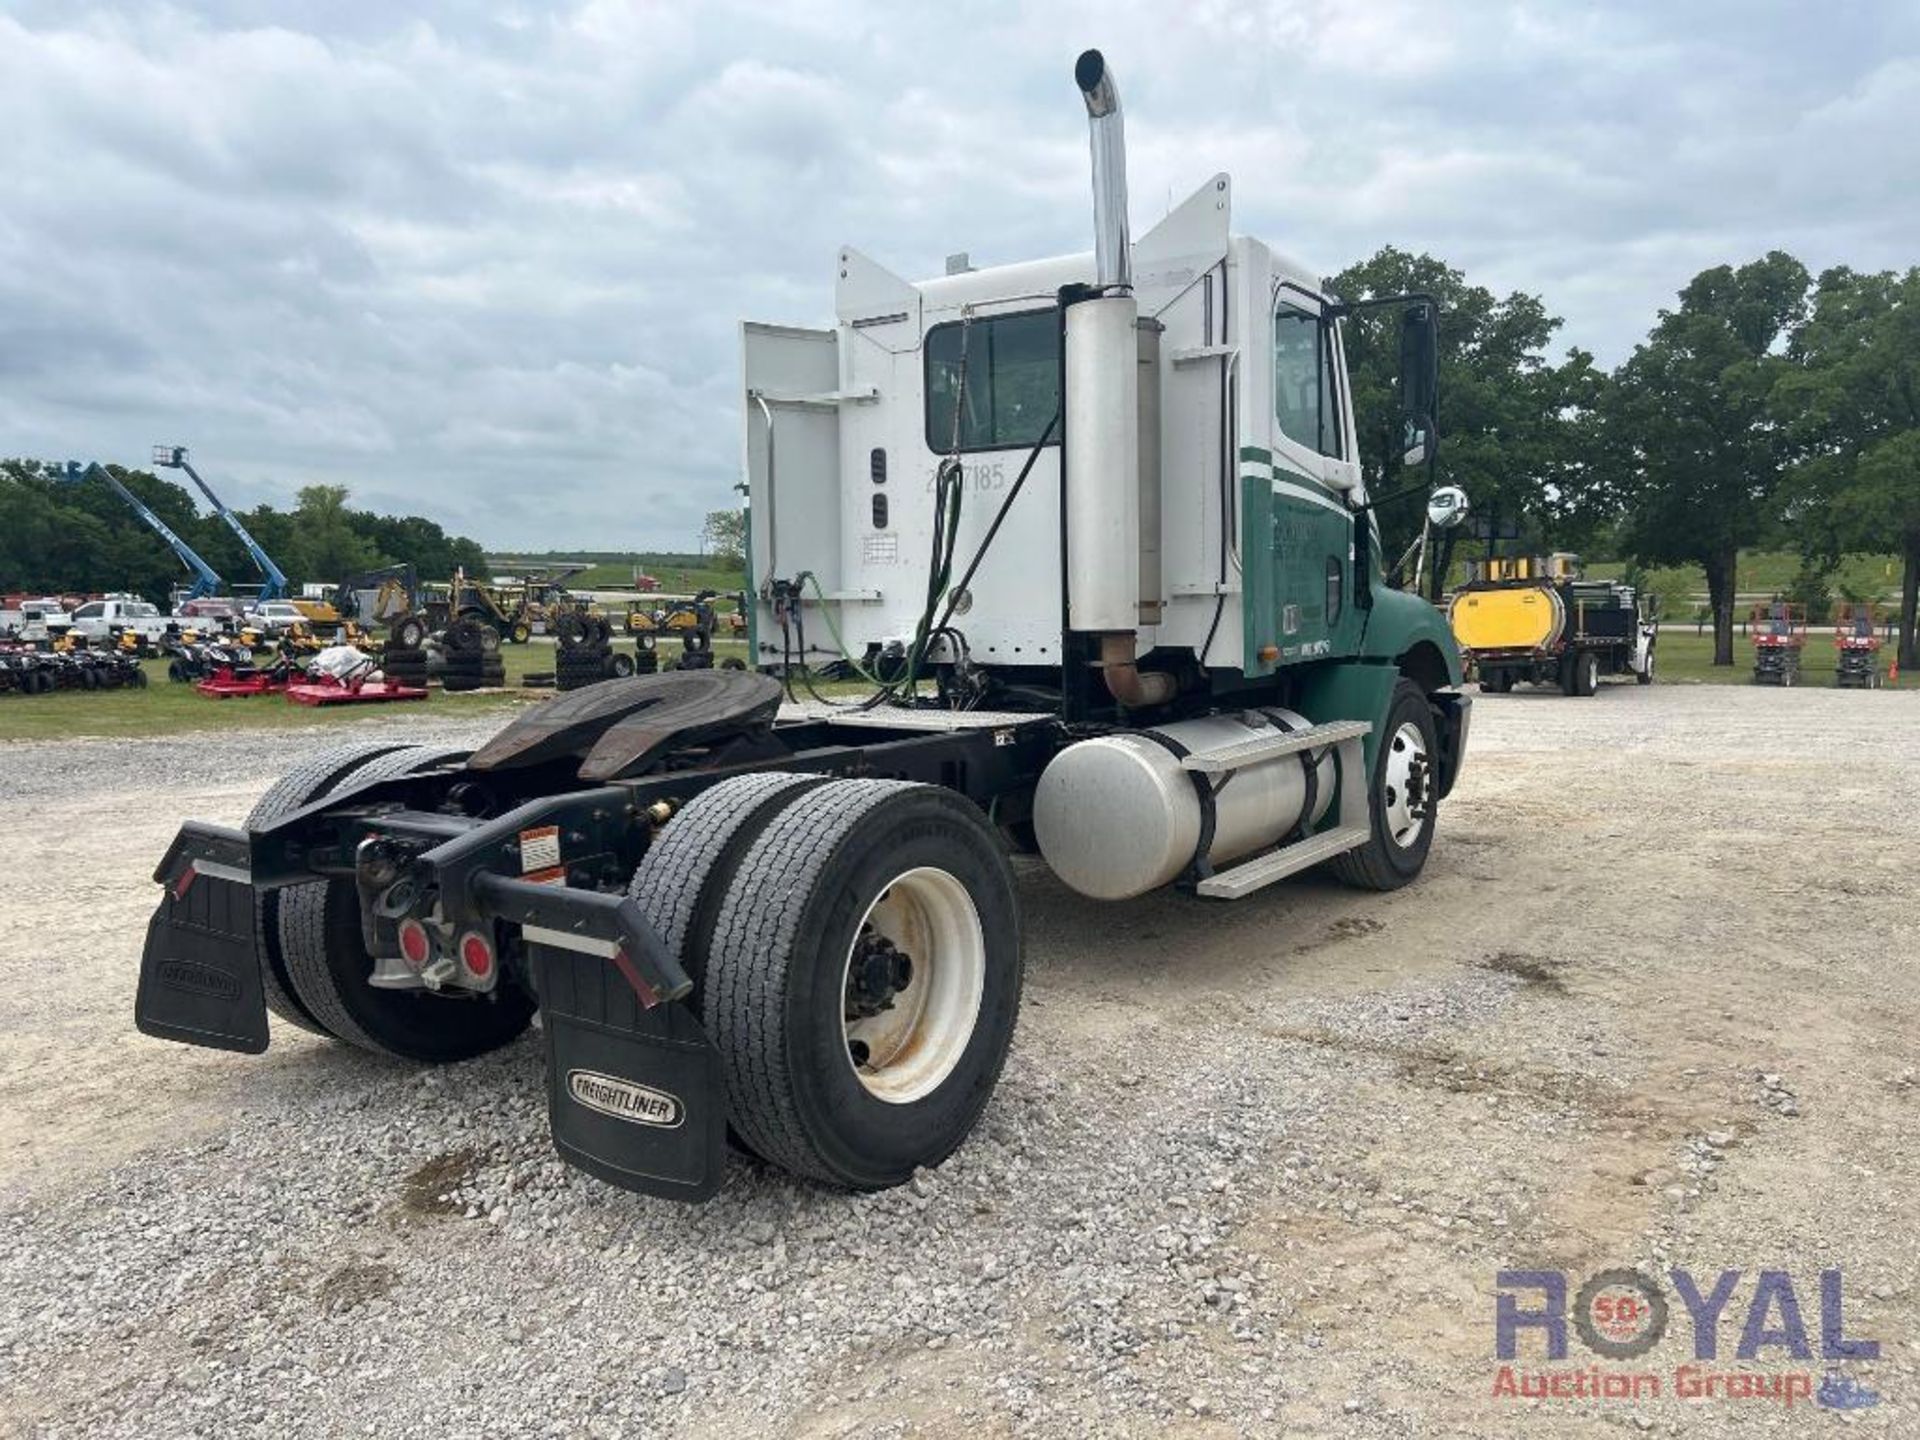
x,y
415,948
476,953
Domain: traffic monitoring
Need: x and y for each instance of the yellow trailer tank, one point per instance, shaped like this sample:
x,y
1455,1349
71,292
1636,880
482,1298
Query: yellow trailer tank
x,y
1513,617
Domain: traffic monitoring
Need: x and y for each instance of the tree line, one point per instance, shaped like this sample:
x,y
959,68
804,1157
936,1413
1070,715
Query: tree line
x,y
60,538
1766,407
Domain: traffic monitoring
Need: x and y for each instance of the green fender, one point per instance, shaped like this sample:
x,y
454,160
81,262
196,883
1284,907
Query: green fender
x,y
1400,625
1348,690
1404,635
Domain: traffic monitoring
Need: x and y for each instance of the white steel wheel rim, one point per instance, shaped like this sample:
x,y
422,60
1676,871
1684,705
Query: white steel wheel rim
x,y
916,1044
1592,664
1406,767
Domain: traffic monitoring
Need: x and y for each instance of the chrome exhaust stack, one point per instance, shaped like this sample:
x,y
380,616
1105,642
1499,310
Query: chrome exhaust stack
x,y
1107,138
1102,410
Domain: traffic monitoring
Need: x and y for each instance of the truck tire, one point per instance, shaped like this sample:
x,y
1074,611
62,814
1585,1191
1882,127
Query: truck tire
x,y
1586,673
327,964
836,889
1645,676
1499,682
291,792
686,873
1403,783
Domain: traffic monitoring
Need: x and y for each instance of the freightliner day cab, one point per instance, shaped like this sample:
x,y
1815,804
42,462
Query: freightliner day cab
x,y
1095,530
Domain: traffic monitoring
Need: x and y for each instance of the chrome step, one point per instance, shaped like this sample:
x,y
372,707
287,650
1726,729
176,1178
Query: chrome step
x,y
1271,744
1287,860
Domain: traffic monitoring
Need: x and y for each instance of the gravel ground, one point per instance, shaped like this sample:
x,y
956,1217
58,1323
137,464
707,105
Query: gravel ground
x,y
1653,1003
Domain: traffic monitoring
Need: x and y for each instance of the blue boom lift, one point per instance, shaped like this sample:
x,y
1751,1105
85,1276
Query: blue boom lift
x,y
174,457
206,581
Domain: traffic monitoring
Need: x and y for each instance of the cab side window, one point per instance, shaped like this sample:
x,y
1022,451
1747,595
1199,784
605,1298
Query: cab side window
x,y
1305,396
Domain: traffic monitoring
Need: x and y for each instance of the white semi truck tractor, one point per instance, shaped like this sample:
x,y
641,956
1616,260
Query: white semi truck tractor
x,y
1092,528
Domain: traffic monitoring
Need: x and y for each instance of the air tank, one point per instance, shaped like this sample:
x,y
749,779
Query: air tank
x,y
1118,815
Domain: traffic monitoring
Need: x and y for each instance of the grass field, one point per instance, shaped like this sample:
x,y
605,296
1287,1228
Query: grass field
x,y
674,579
1688,658
677,574
165,708
1760,572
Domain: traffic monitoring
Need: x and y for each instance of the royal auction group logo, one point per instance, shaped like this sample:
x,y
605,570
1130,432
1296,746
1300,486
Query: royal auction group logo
x,y
1622,1314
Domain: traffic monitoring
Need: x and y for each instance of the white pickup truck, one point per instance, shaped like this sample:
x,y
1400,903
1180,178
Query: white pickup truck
x,y
43,619
274,616
101,619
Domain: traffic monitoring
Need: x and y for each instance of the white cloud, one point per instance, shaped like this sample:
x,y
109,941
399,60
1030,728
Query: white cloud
x,y
486,261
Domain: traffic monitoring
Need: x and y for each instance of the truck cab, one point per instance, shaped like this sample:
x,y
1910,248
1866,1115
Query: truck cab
x,y
1250,555
102,619
276,616
29,619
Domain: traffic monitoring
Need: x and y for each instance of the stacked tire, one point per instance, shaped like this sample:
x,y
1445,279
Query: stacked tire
x,y
404,660
586,655
472,656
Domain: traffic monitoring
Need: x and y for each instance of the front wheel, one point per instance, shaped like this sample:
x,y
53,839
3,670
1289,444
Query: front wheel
x,y
863,980
1645,676
1402,799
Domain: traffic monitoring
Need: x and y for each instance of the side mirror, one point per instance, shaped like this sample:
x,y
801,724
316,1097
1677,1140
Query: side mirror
x,y
1446,507
1419,381
1417,442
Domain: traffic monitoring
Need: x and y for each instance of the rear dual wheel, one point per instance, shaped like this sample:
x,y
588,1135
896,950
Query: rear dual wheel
x,y
855,949
1580,673
317,967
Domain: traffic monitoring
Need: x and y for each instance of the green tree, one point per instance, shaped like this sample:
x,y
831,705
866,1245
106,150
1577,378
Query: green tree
x,y
334,547
1512,422
1691,441
725,537
80,539
1851,408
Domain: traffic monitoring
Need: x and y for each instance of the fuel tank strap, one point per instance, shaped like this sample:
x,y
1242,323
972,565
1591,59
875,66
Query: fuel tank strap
x,y
1199,867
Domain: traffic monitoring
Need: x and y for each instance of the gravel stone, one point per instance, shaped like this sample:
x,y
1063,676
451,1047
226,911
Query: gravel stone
x,y
1220,1170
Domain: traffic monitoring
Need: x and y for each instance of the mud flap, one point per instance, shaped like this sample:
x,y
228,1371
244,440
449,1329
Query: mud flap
x,y
200,972
634,1095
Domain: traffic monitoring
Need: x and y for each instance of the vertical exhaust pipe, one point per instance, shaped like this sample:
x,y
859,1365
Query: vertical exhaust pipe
x,y
1102,407
1107,138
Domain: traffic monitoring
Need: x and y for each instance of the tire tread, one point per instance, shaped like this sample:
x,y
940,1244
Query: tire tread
x,y
298,787
303,914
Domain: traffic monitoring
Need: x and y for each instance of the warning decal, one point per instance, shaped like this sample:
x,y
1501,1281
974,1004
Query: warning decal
x,y
539,848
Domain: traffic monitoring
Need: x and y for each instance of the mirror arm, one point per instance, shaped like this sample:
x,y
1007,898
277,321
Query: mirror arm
x,y
1340,309
1391,495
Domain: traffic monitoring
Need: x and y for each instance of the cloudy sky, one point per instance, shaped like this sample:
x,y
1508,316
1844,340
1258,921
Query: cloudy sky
x,y
484,260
